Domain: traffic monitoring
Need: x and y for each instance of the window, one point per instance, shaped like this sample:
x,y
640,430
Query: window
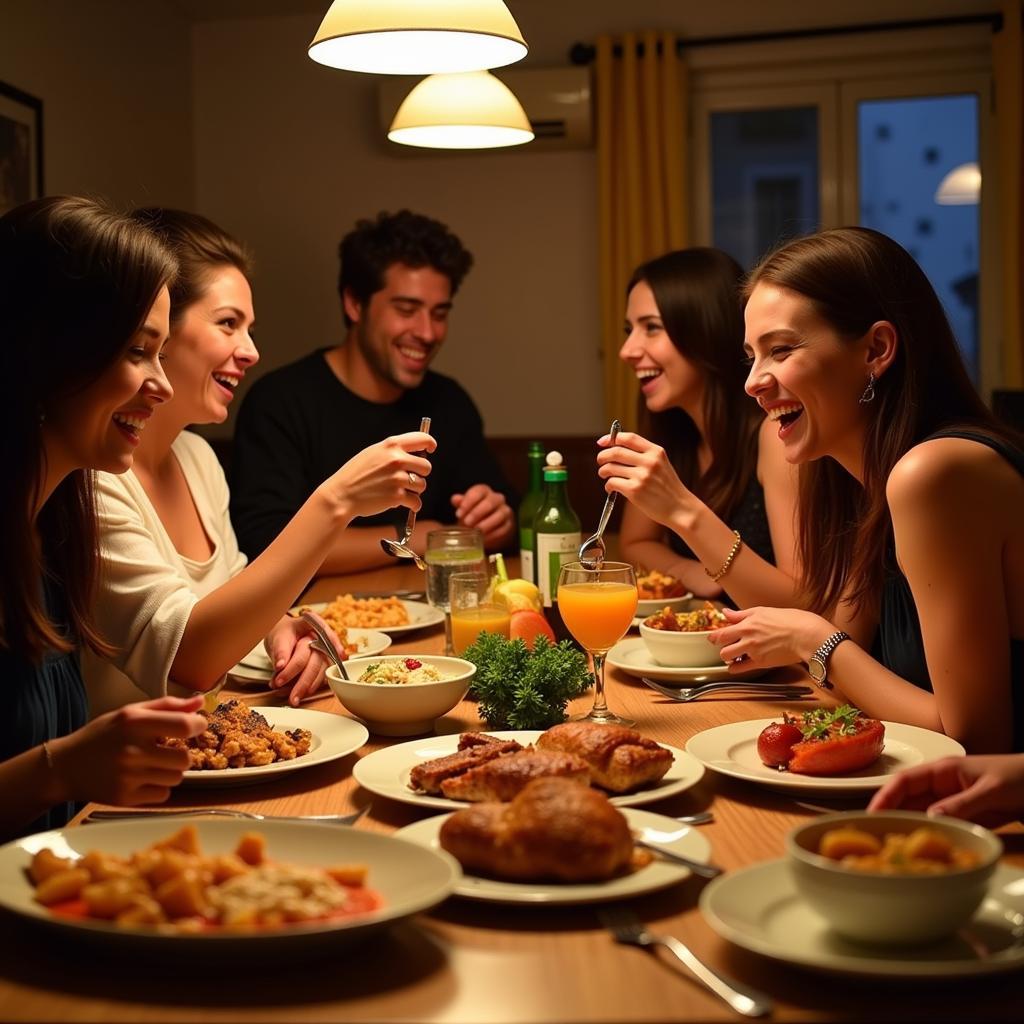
x,y
792,136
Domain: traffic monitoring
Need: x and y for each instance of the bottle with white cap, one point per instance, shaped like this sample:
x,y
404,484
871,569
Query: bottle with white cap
x,y
556,528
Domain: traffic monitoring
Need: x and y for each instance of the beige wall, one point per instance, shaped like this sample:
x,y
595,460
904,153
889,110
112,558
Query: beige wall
x,y
229,115
115,80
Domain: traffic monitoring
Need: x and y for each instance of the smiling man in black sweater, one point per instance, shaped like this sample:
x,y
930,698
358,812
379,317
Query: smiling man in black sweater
x,y
299,423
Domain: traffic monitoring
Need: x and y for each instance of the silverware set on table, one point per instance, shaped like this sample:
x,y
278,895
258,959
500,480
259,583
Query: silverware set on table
x,y
223,812
738,689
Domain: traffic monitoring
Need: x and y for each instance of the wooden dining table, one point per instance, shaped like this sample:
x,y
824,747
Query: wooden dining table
x,y
472,962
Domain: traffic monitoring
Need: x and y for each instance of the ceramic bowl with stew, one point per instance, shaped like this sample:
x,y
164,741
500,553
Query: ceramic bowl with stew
x,y
895,905
406,708
680,650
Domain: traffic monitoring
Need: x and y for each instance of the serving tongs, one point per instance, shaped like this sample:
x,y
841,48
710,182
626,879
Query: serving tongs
x,y
400,548
592,550
765,691
322,643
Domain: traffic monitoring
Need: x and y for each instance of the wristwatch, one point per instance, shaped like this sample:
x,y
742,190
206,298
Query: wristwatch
x,y
817,664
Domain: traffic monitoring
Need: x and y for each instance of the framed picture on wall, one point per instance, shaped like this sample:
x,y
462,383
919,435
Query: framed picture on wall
x,y
21,147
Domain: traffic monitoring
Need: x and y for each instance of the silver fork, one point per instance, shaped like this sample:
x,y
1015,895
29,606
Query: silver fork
x,y
627,928
591,553
223,812
775,691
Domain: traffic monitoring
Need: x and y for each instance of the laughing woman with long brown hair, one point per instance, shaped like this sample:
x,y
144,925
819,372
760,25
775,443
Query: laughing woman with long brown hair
x,y
83,320
711,498
911,516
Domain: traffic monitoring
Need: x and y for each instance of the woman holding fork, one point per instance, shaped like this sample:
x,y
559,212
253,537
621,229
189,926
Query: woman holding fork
x,y
178,595
711,498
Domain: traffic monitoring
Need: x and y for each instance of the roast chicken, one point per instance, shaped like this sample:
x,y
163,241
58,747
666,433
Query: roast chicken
x,y
619,759
501,778
554,829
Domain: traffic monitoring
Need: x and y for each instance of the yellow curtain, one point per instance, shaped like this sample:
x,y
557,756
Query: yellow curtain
x,y
642,110
1007,62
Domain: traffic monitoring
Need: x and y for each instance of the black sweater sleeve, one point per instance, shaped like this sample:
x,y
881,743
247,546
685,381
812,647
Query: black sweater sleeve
x,y
270,478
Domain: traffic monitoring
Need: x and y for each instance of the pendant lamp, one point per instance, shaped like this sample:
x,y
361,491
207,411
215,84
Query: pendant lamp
x,y
961,187
472,110
417,37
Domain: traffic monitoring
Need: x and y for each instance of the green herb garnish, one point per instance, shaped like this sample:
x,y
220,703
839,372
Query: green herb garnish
x,y
520,689
818,724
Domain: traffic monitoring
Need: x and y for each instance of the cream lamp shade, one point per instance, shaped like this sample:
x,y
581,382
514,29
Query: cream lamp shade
x,y
417,37
472,110
961,187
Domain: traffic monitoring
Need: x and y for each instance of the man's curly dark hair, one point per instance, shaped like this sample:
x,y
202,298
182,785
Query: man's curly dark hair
x,y
403,237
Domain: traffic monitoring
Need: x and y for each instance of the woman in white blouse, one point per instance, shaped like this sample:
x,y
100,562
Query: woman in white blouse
x,y
178,599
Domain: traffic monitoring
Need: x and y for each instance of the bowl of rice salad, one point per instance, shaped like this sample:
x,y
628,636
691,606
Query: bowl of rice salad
x,y
401,695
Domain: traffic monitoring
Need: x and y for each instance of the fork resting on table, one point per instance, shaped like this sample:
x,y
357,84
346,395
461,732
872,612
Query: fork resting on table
x,y
627,928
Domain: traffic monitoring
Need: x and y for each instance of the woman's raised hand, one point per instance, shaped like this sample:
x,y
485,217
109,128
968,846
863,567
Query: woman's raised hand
x,y
383,476
118,759
641,472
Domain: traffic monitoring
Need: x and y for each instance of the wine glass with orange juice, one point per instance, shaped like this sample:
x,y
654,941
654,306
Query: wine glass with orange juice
x,y
597,607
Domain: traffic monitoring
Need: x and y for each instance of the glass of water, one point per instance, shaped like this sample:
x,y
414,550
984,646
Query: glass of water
x,y
452,550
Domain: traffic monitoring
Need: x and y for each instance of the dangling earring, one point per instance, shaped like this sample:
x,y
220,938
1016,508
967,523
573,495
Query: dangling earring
x,y
869,391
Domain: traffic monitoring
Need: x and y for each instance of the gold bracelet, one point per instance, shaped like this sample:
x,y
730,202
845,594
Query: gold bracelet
x,y
736,545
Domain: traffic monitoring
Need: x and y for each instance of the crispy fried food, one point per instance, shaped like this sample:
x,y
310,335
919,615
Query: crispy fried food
x,y
554,829
364,612
502,778
238,737
618,759
656,586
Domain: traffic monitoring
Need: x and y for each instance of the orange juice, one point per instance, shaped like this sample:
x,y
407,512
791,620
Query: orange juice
x,y
469,623
597,614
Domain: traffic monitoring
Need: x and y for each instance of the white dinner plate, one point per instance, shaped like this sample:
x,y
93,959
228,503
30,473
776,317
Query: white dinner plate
x,y
334,736
759,909
408,877
421,615
657,875
732,750
386,771
368,642
632,656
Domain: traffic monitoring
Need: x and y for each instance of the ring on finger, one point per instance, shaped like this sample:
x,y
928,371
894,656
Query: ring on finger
x,y
413,478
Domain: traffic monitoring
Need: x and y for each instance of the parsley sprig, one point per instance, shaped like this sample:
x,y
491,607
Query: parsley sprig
x,y
520,689
824,722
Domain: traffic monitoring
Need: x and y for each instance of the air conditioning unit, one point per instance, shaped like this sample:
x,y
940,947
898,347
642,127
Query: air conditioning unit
x,y
556,100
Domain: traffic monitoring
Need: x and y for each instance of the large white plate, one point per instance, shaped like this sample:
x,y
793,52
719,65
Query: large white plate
x,y
759,909
631,655
657,875
256,664
421,615
408,877
334,736
732,750
386,771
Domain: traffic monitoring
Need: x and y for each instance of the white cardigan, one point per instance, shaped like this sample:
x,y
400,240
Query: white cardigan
x,y
147,588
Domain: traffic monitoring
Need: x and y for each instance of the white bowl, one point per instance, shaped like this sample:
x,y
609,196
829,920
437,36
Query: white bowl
x,y
402,709
649,605
891,909
680,650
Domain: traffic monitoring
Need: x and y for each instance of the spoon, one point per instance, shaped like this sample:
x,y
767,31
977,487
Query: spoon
x,y
323,641
400,548
591,554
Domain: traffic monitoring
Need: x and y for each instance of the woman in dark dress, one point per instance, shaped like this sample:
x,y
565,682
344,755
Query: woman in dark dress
x,y
911,518
711,497
83,319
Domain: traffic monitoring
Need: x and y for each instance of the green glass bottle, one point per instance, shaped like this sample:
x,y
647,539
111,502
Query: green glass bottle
x,y
528,511
556,529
